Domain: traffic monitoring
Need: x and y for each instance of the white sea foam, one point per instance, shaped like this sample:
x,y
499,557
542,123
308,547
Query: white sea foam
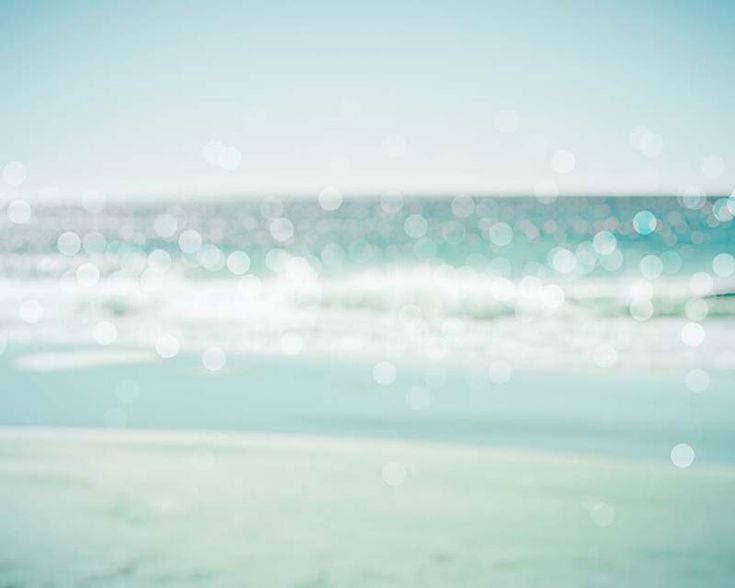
x,y
419,311
81,359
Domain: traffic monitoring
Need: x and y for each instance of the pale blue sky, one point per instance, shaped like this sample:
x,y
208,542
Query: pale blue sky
x,y
371,96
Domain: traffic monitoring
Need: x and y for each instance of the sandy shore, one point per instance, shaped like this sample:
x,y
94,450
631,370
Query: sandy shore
x,y
99,508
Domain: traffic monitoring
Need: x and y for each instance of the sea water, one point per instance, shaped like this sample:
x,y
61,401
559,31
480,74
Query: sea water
x,y
581,345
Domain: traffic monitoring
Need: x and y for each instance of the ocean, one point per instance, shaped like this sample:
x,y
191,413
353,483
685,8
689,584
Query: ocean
x,y
388,391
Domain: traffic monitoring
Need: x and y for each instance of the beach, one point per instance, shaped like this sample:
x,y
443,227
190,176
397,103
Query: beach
x,y
411,392
94,508
367,294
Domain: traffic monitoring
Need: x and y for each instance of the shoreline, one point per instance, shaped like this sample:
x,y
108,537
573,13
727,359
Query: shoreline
x,y
243,440
192,508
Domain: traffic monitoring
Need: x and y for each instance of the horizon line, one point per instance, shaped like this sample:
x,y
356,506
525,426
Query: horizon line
x,y
215,196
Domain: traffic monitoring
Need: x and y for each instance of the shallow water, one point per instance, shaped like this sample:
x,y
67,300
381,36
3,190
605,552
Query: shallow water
x,y
629,413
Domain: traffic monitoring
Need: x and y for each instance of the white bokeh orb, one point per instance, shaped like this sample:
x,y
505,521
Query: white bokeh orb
x,y
563,161
214,358
384,373
682,455
692,334
19,211
697,380
330,198
167,346
14,173
69,243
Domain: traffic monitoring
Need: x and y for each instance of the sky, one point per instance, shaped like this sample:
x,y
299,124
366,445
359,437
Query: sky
x,y
195,98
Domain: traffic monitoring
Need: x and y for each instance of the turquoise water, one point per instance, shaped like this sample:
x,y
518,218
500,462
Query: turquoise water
x,y
398,391
623,413
483,279
365,231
